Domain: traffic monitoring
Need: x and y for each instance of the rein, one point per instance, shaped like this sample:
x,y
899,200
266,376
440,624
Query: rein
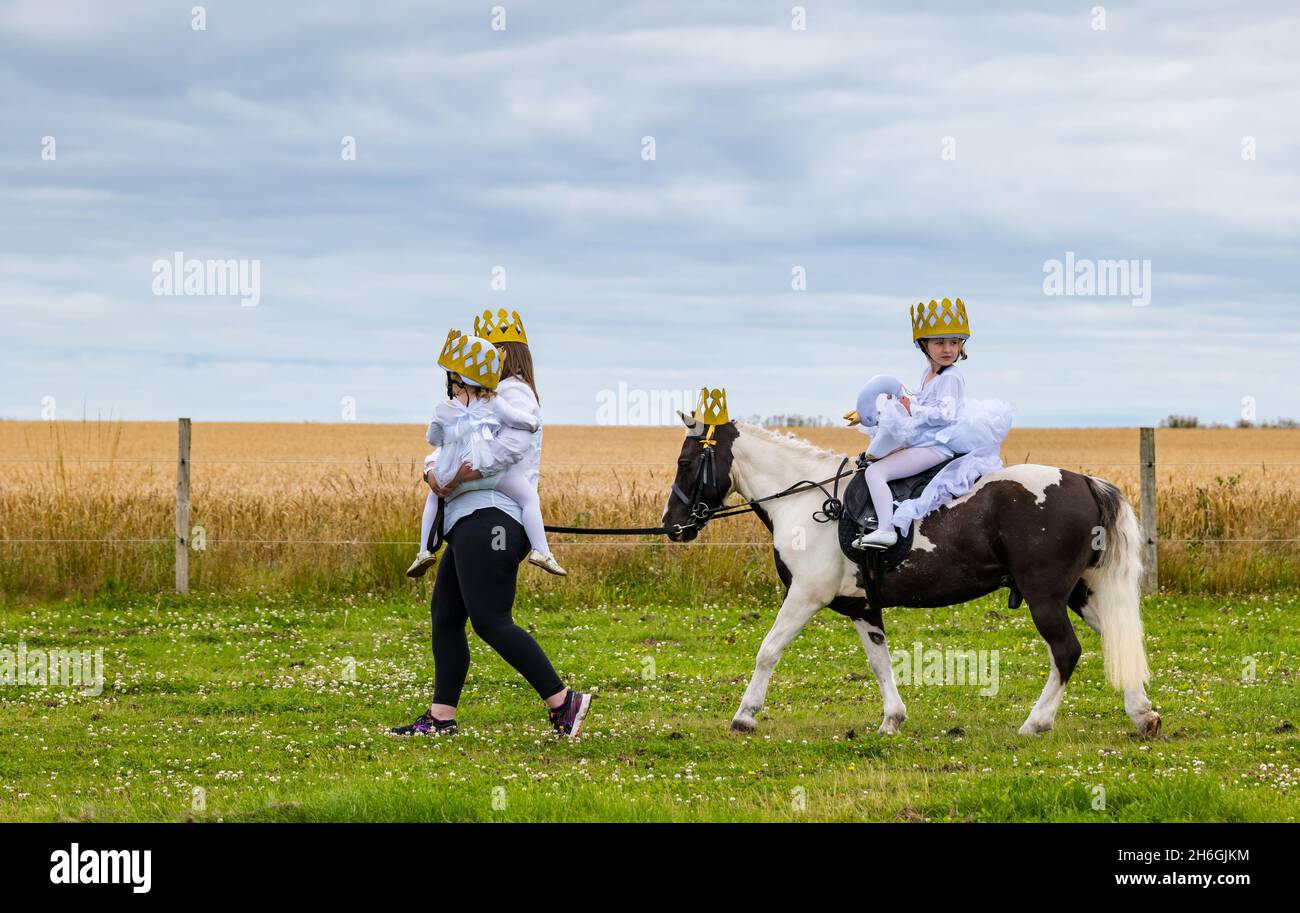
x,y
701,513
832,508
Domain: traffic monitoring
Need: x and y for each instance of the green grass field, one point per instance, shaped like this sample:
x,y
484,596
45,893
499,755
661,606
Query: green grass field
x,y
275,706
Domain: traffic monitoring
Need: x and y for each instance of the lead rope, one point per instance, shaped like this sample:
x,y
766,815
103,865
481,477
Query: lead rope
x,y
832,508
831,504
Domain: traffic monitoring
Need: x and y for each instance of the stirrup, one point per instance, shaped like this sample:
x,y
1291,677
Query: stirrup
x,y
866,540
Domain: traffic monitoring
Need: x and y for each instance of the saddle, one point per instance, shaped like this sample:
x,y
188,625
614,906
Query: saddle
x,y
859,516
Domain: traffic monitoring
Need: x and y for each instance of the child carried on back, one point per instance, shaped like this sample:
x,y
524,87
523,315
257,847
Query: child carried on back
x,y
463,429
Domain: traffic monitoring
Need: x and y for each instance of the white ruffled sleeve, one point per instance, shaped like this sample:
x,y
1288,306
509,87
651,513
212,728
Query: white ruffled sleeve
x,y
512,415
895,424
441,413
511,444
944,399
947,395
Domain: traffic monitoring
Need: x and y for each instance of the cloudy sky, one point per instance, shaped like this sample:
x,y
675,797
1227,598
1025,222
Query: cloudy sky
x,y
888,152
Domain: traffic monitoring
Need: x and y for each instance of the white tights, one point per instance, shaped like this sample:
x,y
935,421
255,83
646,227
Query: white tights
x,y
426,521
513,483
898,465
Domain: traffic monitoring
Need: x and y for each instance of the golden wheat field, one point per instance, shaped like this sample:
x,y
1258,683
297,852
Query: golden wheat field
x,y
338,505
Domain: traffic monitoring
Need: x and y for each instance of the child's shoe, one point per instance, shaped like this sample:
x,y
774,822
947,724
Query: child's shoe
x,y
547,563
422,563
881,538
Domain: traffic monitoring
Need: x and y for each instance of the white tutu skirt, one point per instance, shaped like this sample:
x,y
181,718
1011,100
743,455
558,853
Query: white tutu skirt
x,y
977,435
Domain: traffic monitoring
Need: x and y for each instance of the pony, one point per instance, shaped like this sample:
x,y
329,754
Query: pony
x,y
1065,541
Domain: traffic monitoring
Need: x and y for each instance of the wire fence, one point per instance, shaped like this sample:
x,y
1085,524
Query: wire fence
x,y
415,461
603,543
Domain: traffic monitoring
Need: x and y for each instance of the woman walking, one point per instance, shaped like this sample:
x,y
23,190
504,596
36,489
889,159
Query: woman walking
x,y
486,543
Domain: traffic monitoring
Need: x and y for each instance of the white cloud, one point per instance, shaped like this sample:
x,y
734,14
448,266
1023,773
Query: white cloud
x,y
521,149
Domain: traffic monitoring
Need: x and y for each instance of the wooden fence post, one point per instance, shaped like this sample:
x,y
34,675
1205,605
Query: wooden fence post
x,y
183,509
1147,505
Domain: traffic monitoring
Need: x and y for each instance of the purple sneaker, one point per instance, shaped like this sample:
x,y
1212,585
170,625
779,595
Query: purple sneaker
x,y
427,724
567,718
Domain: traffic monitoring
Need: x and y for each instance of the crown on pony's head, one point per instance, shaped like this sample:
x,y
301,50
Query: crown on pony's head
x,y
473,358
712,407
939,319
503,327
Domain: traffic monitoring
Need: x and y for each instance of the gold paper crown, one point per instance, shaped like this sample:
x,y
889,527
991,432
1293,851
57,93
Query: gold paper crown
x,y
712,407
505,327
939,319
472,358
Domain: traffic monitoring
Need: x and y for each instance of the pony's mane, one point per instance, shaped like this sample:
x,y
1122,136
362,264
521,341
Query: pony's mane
x,y
800,446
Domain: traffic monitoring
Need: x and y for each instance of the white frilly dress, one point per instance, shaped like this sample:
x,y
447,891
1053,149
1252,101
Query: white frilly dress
x,y
511,446
463,434
944,419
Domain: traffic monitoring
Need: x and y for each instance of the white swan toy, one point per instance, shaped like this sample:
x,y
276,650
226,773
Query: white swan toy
x,y
867,416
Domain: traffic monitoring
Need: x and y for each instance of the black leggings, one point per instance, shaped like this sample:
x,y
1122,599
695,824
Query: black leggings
x,y
476,582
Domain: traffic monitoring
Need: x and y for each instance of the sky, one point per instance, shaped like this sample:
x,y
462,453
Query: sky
x,y
650,182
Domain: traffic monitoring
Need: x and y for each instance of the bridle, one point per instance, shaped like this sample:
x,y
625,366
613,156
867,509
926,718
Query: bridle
x,y
701,512
706,474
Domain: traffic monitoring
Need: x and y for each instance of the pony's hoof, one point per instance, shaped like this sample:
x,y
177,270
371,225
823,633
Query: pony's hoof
x,y
742,725
890,725
1150,725
1032,728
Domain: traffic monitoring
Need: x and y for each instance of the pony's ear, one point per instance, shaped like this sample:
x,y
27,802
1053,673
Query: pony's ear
x,y
694,427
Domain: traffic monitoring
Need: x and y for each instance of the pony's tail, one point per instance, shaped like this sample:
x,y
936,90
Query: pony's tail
x,y
1114,582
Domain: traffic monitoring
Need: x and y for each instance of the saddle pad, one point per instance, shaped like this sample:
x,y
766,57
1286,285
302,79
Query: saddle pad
x,y
860,514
